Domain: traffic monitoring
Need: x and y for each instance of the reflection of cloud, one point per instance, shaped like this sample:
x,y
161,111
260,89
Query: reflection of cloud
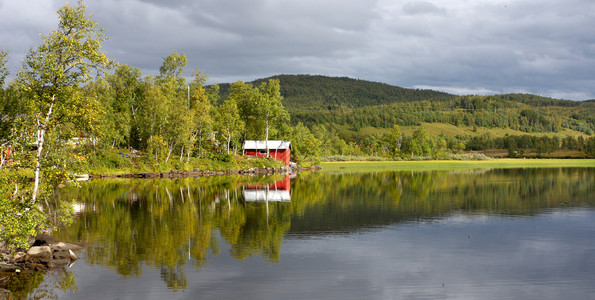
x,y
544,257
486,258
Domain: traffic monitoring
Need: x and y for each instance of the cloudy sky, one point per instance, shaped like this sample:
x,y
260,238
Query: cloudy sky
x,y
459,46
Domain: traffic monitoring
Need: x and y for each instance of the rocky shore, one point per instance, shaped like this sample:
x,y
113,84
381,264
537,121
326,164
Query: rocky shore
x,y
200,173
43,254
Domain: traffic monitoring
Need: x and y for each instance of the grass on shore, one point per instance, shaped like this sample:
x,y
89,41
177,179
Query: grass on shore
x,y
375,166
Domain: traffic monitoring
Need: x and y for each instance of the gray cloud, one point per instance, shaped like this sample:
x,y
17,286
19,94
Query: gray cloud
x,y
487,47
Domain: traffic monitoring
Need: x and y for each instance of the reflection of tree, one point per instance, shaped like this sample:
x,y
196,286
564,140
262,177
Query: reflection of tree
x,y
166,223
41,285
257,231
345,202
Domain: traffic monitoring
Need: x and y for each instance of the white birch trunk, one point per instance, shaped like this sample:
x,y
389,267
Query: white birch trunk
x,y
171,149
266,134
40,141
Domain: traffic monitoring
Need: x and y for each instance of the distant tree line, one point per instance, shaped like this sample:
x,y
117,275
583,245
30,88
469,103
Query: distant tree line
x,y
488,112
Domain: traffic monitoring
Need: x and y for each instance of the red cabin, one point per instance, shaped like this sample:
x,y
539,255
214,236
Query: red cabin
x,y
280,150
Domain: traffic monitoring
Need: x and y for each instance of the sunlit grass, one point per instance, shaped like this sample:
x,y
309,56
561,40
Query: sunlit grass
x,y
372,166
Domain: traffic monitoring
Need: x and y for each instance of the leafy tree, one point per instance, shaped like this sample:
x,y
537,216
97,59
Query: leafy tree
x,y
229,122
52,74
201,110
177,126
269,106
246,97
4,105
305,144
126,88
3,69
152,112
394,140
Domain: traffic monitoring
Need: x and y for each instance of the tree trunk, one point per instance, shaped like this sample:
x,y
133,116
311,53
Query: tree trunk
x,y
228,141
40,140
266,134
171,149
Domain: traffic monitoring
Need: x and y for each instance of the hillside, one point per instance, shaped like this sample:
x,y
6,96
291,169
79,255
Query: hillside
x,y
350,105
312,92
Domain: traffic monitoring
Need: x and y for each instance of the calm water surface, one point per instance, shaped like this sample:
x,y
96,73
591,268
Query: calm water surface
x,y
483,234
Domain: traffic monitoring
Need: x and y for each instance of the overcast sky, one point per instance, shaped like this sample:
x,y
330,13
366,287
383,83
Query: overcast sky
x,y
458,46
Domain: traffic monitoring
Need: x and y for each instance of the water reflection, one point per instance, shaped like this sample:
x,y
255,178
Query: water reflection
x,y
280,191
178,226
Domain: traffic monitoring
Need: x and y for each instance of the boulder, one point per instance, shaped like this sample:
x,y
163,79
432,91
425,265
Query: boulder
x,y
4,267
62,254
62,246
42,253
20,257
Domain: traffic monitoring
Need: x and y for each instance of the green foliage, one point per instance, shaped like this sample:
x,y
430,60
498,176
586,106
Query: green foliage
x,y
52,109
305,145
51,77
3,69
18,219
173,65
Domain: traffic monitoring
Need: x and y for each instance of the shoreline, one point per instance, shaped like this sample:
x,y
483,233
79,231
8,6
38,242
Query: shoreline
x,y
206,173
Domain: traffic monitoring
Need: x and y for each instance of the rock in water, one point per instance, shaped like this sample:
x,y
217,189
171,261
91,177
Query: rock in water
x,y
72,255
42,253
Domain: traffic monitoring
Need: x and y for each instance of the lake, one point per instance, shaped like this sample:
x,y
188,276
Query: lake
x,y
470,234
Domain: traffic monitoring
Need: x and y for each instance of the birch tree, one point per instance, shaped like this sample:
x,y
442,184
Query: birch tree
x,y
52,74
269,106
229,123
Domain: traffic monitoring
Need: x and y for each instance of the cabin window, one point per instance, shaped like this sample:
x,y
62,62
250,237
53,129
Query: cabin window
x,y
262,151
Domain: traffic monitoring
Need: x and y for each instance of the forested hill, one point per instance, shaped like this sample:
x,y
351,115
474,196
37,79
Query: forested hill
x,y
352,104
316,92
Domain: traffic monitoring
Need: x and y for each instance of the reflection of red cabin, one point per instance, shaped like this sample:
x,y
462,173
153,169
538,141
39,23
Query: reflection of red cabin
x,y
280,191
280,150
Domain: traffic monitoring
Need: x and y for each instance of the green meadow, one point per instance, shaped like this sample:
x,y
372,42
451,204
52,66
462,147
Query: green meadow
x,y
375,166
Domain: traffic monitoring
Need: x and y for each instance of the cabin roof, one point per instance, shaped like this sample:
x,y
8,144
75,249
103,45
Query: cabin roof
x,y
262,145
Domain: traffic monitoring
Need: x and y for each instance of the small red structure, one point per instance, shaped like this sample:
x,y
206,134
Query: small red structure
x,y
5,156
280,150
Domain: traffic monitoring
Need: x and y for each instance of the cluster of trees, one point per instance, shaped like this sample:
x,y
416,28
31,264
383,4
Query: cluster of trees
x,y
392,144
542,145
488,112
165,115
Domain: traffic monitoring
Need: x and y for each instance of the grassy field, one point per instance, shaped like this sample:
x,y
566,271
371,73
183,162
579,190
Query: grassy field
x,y
357,166
435,129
